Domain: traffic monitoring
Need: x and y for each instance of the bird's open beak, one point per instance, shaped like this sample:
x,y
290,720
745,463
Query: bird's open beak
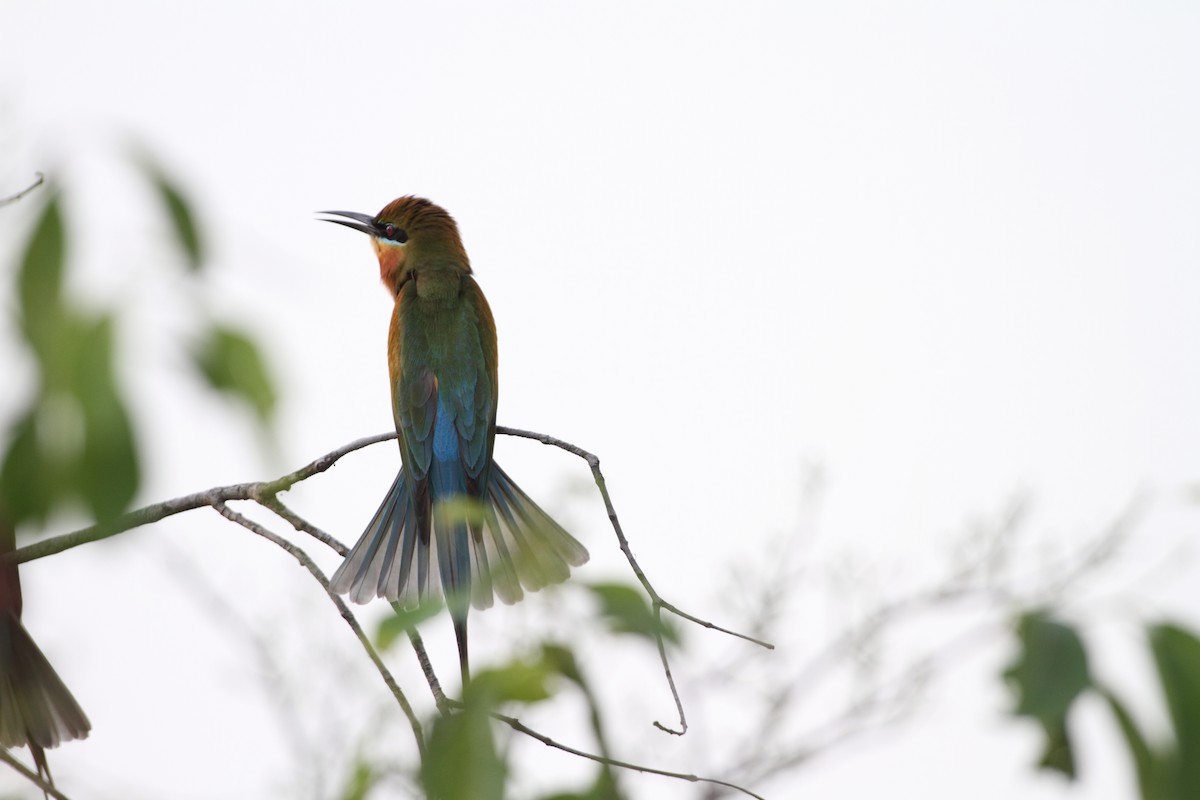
x,y
361,222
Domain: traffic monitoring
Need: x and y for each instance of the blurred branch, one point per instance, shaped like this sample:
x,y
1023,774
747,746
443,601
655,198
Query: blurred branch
x,y
38,180
343,609
981,580
31,776
186,574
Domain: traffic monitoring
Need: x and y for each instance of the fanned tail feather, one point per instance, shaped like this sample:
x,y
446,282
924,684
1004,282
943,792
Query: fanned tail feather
x,y
36,708
535,549
518,547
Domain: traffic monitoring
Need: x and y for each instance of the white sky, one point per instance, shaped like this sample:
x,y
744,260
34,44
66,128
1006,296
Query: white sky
x,y
949,251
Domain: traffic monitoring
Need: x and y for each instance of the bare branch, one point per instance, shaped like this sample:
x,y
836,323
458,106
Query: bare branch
x,y
187,574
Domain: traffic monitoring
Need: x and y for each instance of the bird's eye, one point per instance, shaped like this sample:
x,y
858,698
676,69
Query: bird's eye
x,y
394,234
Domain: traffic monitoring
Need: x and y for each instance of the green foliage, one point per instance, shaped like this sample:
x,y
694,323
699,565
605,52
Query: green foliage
x,y
1048,676
1154,768
462,761
39,281
179,211
75,440
362,780
231,363
627,611
404,620
184,224
1051,673
1177,655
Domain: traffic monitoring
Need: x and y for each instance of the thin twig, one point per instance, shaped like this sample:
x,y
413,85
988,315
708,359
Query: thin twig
x,y
38,180
520,727
418,644
594,462
343,609
30,775
662,655
298,522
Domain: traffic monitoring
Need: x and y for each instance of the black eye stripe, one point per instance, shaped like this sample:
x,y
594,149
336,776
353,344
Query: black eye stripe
x,y
392,233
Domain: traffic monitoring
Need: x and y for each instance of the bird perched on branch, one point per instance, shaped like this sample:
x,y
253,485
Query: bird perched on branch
x,y
453,522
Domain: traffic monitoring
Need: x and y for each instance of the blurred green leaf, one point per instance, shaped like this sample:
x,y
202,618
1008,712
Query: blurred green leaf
x,y
517,681
562,660
1177,655
1048,675
109,472
460,509
361,781
39,281
75,441
404,620
602,789
1153,769
231,363
461,762
183,222
628,611
26,480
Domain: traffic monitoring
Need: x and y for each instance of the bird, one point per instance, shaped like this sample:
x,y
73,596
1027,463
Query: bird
x,y
453,524
36,708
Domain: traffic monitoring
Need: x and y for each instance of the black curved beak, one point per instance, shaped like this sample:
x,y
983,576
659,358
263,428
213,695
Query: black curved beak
x,y
361,222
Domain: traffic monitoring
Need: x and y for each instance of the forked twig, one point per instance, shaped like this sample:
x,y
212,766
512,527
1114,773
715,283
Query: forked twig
x,y
656,599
